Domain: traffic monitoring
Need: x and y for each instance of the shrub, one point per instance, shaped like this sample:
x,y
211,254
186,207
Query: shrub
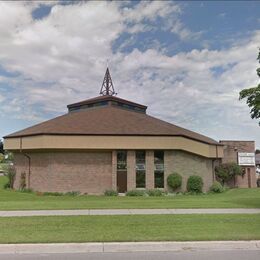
x,y
52,194
155,192
72,193
216,187
26,190
2,157
7,185
174,180
10,173
110,193
227,171
135,193
194,184
23,181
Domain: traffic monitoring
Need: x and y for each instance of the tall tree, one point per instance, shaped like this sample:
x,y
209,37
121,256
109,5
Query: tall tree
x,y
252,96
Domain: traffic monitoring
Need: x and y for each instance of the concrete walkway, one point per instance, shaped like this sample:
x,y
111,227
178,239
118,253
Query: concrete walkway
x,y
102,247
95,212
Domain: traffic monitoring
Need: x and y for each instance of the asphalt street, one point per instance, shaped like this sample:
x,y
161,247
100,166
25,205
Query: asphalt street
x,y
194,255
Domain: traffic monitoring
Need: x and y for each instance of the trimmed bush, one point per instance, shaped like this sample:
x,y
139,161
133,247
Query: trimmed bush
x,y
136,193
216,187
52,193
72,193
194,184
174,180
155,193
110,193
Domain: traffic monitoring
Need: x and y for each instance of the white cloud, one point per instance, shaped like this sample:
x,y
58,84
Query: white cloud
x,y
1,98
61,59
184,33
147,10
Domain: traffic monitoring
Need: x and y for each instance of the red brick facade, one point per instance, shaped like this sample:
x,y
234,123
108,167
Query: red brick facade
x,y
95,172
86,172
231,150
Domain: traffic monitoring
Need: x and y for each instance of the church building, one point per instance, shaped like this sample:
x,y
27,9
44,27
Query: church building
x,y
106,143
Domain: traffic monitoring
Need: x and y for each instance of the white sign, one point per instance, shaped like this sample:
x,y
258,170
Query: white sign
x,y
246,159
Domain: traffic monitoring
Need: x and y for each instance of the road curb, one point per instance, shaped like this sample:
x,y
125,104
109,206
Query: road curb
x,y
127,247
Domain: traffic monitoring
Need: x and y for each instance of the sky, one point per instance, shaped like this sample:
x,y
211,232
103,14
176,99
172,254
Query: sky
x,y
185,60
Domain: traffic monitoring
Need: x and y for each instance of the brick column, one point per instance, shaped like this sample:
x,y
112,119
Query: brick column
x,y
131,172
114,170
149,171
168,166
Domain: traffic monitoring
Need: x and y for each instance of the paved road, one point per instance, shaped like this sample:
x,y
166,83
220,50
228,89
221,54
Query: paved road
x,y
95,212
197,255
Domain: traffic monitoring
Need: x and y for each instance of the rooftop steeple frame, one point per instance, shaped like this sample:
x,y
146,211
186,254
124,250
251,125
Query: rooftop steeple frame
x,y
107,88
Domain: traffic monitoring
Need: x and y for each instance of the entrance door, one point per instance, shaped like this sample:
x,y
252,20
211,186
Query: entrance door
x,y
121,181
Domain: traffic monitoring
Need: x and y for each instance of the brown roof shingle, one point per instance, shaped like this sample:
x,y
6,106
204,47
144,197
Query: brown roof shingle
x,y
109,120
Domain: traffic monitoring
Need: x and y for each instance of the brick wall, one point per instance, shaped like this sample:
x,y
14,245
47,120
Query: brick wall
x,y
187,164
94,172
231,150
87,172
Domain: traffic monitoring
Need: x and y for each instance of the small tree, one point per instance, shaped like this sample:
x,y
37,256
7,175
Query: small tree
x,y
252,96
227,171
10,173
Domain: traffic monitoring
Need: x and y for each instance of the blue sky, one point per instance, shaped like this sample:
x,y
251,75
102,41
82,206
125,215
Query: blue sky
x,y
186,60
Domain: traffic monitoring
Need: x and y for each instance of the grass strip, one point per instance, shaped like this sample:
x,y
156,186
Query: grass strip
x,y
129,228
233,198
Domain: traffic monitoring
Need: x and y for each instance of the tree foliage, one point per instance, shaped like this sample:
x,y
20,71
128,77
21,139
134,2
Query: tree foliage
x,y
1,147
252,96
227,171
10,173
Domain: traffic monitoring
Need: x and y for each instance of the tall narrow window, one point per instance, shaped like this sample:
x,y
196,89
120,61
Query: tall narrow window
x,y
121,160
140,169
158,169
122,171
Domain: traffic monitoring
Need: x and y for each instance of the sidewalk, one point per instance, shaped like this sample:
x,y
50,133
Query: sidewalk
x,y
95,212
102,247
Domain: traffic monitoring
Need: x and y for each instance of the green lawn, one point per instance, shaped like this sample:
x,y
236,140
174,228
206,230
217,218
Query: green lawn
x,y
129,228
235,198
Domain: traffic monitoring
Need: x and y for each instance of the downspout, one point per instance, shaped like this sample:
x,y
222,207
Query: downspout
x,y
29,161
213,164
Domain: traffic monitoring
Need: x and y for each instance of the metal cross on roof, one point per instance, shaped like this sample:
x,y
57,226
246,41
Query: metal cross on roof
x,y
107,88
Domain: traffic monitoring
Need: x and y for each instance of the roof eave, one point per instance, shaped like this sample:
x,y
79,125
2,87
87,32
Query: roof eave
x,y
94,134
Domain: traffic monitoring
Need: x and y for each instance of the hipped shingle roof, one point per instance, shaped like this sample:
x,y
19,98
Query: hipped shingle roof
x,y
109,120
